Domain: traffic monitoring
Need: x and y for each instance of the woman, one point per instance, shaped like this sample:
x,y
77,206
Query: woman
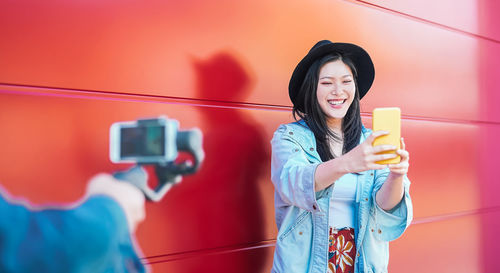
x,y
336,209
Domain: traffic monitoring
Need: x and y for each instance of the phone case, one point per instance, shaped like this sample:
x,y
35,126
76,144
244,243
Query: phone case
x,y
388,119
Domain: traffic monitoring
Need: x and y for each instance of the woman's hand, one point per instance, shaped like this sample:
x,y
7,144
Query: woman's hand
x,y
401,168
392,191
365,155
360,159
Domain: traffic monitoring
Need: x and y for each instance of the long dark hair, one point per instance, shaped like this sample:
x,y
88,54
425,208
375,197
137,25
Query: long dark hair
x,y
316,119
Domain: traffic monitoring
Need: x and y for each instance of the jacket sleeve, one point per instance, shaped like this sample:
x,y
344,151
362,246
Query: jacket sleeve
x,y
92,237
391,224
292,173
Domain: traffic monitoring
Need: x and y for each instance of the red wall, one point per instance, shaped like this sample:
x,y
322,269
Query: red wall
x,y
70,69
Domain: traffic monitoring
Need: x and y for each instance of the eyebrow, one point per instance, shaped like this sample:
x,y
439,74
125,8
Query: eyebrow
x,y
330,77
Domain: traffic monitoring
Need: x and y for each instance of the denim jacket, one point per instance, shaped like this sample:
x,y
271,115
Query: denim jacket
x,y
302,214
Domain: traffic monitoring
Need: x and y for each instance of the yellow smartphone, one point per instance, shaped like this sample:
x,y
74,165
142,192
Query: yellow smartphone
x,y
388,119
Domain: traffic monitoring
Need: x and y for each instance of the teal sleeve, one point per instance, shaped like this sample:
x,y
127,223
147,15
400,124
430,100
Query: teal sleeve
x,y
292,173
92,237
393,223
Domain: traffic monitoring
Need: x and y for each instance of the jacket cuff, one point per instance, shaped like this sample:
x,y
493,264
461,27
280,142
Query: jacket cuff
x,y
314,196
390,225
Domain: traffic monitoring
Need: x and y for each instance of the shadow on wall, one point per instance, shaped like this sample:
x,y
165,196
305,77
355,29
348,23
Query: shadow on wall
x,y
224,199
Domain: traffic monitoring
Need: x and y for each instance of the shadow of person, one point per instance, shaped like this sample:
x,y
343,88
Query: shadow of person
x,y
225,210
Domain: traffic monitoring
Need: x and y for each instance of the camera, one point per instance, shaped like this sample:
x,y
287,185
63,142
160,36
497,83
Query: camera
x,y
157,142
148,141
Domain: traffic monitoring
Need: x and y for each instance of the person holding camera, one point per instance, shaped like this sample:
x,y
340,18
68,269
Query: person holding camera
x,y
93,235
336,209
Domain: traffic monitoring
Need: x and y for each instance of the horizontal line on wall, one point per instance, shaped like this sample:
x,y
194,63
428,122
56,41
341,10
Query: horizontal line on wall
x,y
137,97
272,243
207,252
443,120
422,20
449,216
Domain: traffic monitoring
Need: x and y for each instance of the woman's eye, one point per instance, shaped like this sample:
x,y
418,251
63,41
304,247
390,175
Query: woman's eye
x,y
347,81
326,83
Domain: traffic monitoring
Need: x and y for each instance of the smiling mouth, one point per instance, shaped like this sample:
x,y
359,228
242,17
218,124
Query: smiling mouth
x,y
336,102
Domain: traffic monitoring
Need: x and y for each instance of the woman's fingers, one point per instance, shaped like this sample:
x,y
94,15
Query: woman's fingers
x,y
372,154
398,171
404,154
400,165
376,134
375,166
381,157
384,148
403,166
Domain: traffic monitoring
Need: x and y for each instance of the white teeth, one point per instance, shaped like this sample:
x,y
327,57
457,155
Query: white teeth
x,y
336,102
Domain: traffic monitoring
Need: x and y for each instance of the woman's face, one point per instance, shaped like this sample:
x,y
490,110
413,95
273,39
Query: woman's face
x,y
335,91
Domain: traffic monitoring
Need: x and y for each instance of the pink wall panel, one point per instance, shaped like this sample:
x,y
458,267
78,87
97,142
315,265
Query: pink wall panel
x,y
448,246
444,170
469,16
65,137
488,140
489,188
227,73
216,262
158,48
54,141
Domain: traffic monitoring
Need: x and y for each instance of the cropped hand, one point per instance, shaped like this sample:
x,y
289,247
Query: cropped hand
x,y
401,168
365,156
129,197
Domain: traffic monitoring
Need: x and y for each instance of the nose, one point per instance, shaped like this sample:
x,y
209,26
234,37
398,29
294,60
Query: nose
x,y
335,89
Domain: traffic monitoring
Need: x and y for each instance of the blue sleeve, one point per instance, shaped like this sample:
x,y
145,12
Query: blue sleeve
x,y
392,223
291,172
92,237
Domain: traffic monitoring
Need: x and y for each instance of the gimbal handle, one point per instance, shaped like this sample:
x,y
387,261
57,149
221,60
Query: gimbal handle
x,y
191,142
170,173
167,175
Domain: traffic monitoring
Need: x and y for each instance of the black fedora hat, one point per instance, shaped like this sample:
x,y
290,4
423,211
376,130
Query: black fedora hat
x,y
360,58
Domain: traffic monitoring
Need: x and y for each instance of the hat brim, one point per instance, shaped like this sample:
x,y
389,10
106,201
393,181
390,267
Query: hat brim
x,y
360,58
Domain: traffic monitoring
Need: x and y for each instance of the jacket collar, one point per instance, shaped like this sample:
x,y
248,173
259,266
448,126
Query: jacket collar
x,y
365,133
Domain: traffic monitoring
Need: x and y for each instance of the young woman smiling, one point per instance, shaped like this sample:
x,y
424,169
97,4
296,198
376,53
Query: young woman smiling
x,y
336,209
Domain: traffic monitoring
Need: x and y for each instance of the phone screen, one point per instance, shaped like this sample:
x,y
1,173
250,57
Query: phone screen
x,y
142,141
